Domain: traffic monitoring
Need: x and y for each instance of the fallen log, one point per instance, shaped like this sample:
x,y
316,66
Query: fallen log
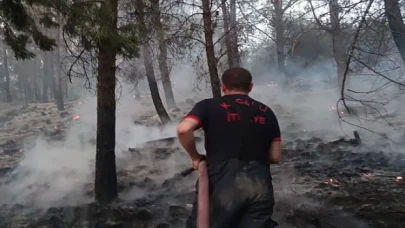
x,y
163,142
356,141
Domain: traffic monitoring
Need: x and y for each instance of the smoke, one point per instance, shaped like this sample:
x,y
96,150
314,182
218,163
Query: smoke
x,y
62,172
54,173
310,109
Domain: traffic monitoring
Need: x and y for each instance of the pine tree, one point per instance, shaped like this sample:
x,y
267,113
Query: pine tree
x,y
19,26
96,26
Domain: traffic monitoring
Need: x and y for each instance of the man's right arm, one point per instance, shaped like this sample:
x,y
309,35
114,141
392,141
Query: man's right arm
x,y
185,131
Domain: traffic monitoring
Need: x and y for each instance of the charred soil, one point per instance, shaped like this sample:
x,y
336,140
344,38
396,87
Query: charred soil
x,y
338,184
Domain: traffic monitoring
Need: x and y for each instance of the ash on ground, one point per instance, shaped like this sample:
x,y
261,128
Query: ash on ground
x,y
319,184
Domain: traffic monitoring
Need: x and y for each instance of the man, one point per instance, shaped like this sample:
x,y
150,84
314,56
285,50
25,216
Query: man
x,y
242,137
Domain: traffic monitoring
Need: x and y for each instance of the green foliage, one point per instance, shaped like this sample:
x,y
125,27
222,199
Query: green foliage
x,y
18,44
18,27
85,20
89,22
46,20
81,23
129,40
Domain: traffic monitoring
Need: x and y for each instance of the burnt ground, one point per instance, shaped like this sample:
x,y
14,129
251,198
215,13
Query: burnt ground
x,y
318,185
361,188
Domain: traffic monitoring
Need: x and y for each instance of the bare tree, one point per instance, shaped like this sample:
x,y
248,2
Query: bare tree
x,y
278,24
277,21
133,72
51,71
149,69
209,48
162,55
7,75
396,24
45,78
58,80
191,38
227,41
340,40
233,33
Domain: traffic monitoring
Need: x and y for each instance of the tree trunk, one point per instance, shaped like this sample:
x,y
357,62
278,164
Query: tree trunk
x,y
154,90
105,188
65,87
20,84
25,91
7,75
45,80
209,49
396,24
338,41
234,34
150,72
51,76
137,93
162,57
227,34
58,80
29,85
279,30
37,91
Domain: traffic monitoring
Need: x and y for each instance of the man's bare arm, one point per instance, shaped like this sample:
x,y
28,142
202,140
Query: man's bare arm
x,y
185,133
275,152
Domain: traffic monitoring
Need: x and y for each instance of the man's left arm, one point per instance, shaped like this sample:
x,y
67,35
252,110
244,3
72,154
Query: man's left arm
x,y
275,148
185,131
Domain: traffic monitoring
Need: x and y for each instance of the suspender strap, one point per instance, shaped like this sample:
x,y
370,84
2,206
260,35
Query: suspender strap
x,y
246,114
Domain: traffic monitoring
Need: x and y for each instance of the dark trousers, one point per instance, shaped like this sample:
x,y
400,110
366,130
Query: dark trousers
x,y
241,195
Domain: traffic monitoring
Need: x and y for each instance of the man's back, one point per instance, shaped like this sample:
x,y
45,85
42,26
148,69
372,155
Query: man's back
x,y
221,123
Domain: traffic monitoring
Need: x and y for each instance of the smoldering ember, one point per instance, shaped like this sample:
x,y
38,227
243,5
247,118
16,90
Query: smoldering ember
x,y
91,93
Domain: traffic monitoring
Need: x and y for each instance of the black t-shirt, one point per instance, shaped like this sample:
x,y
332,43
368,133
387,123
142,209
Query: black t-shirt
x,y
221,124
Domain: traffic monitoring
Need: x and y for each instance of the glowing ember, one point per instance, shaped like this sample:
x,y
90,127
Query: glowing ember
x,y
77,117
332,182
399,179
271,84
21,150
57,127
333,108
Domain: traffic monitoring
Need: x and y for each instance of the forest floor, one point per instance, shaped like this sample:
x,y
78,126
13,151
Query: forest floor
x,y
320,184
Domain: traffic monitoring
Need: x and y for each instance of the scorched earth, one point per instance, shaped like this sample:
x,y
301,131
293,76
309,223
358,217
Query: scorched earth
x,y
320,184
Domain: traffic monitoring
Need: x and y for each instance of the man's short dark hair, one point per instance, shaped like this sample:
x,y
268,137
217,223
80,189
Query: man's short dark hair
x,y
237,78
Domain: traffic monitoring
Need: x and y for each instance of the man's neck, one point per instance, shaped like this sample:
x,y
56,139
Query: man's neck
x,y
236,93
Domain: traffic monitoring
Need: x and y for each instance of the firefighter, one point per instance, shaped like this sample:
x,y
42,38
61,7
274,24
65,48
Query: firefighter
x,y
242,139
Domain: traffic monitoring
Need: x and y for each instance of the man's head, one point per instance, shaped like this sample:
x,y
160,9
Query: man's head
x,y
236,80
